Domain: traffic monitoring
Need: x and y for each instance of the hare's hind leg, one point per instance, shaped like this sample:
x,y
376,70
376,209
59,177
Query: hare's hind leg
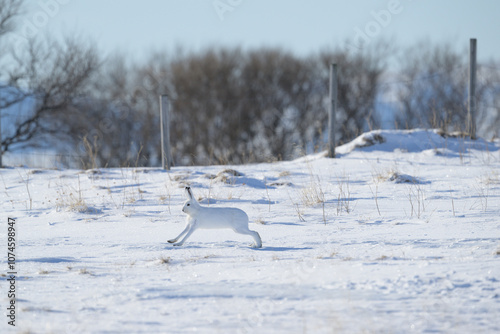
x,y
247,231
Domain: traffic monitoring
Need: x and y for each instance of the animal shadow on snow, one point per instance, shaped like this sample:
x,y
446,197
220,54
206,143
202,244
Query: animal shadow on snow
x,y
280,249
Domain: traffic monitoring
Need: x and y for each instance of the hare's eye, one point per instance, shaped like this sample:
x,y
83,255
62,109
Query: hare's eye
x,y
188,204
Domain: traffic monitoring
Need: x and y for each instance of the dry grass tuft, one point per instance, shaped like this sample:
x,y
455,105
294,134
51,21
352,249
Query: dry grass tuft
x,y
164,260
84,271
261,221
284,173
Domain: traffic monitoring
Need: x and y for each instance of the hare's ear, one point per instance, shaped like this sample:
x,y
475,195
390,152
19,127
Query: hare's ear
x,y
189,193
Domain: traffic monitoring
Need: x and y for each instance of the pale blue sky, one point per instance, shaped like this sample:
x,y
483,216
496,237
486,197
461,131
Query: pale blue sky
x,y
138,27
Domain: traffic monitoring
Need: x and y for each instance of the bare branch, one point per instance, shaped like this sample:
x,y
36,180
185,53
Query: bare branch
x,y
9,10
54,75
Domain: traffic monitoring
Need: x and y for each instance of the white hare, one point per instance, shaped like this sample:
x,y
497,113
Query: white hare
x,y
209,218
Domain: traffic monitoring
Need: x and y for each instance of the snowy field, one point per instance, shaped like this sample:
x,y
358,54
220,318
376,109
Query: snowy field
x,y
399,234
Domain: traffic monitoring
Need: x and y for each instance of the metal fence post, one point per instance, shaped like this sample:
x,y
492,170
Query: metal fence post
x,y
166,153
471,115
332,110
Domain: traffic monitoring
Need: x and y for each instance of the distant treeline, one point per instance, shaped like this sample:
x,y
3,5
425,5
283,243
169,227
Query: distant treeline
x,y
230,105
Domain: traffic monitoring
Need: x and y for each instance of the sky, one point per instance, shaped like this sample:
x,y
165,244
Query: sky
x,y
303,26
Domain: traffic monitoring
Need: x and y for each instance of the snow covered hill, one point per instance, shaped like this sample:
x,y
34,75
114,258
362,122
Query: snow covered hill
x,y
399,234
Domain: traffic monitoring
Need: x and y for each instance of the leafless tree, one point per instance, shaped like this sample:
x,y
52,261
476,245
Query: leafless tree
x,y
433,92
9,11
206,102
45,77
280,87
235,106
119,124
359,74
51,76
488,118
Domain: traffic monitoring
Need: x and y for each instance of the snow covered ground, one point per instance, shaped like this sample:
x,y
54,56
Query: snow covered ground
x,y
399,234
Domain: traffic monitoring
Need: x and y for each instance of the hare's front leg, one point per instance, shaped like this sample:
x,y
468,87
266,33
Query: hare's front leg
x,y
190,228
186,229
